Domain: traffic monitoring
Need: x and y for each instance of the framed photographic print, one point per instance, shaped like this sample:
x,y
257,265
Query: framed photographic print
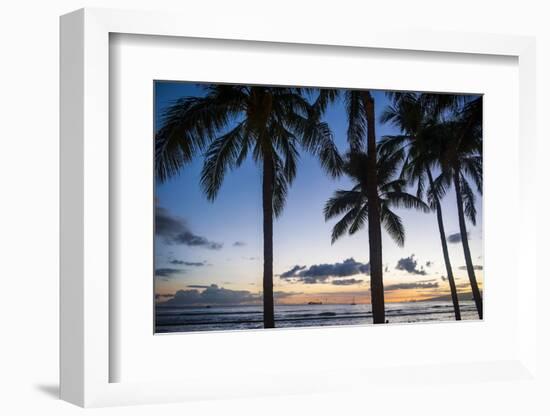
x,y
286,213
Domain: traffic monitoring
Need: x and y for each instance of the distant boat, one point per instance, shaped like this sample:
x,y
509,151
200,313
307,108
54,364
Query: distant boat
x,y
314,303
353,301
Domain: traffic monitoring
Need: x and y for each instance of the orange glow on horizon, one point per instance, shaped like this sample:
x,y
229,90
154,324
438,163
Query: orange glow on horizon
x,y
300,294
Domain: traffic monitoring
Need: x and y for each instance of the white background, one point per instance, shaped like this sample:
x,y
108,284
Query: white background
x,y
29,209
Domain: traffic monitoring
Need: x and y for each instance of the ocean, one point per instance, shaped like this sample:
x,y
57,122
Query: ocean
x,y
229,318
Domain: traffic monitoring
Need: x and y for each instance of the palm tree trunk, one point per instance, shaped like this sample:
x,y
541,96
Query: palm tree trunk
x,y
267,200
450,277
375,233
465,244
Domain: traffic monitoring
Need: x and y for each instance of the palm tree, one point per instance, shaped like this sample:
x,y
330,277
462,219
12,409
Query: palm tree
x,y
232,121
366,102
359,105
354,205
461,160
414,114
361,122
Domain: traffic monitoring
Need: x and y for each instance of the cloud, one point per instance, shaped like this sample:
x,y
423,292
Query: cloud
x,y
414,285
215,295
476,267
174,230
212,294
321,273
347,282
456,238
188,263
292,272
239,244
168,273
163,295
409,264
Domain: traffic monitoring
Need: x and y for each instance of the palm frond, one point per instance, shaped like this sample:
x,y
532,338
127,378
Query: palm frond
x,y
284,171
388,164
439,187
473,167
285,142
359,221
222,154
325,97
393,225
342,226
468,199
328,154
246,140
391,144
420,185
341,202
390,114
404,200
189,125
357,123
396,185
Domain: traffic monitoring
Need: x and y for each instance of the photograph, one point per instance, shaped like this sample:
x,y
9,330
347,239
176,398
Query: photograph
x,y
294,207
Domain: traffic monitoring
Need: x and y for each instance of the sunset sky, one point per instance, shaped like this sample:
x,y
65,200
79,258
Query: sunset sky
x,y
212,252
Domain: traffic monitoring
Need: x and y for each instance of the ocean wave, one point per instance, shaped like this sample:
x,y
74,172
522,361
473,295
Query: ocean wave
x,y
224,318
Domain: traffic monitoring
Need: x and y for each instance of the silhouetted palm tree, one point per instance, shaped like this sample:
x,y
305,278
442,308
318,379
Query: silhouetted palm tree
x,y
353,205
232,121
461,159
359,107
415,114
361,123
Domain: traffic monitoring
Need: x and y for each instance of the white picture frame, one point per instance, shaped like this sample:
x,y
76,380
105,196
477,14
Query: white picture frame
x,y
86,356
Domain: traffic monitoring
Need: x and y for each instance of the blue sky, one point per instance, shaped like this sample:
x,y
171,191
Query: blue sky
x,y
228,249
